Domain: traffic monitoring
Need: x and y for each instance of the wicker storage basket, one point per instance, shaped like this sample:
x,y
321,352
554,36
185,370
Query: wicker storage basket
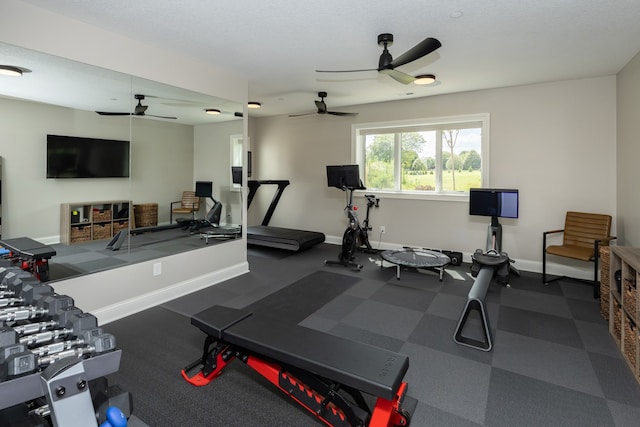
x,y
629,296
617,320
630,341
101,215
120,225
102,231
146,214
80,234
605,255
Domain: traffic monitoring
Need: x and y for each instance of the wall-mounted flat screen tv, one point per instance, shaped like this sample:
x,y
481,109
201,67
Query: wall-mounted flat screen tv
x,y
77,157
494,202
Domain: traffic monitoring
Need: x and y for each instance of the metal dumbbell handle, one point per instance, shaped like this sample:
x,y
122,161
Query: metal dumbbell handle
x,y
45,336
22,313
32,328
6,302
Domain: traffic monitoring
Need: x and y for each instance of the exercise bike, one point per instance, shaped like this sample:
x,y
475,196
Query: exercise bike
x,y
356,236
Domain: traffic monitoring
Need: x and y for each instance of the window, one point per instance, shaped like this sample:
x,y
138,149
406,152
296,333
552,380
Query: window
x,y
236,157
443,156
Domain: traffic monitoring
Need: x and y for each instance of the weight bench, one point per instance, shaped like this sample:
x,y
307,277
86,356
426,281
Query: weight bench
x,y
325,374
32,254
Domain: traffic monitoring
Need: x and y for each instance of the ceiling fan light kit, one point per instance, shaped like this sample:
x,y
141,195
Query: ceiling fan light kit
x,y
425,79
10,70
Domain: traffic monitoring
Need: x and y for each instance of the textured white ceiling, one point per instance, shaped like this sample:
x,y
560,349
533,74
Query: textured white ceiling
x,y
278,44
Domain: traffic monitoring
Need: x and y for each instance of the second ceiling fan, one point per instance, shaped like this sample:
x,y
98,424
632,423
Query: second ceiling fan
x,y
139,110
386,63
322,108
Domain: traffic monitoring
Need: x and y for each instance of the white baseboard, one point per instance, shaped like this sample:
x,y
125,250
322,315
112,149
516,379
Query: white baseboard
x,y
134,305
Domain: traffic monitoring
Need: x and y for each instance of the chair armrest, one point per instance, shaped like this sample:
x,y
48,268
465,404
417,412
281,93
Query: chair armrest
x,y
606,239
544,233
173,203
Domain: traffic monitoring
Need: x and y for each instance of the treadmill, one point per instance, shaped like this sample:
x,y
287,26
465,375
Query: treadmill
x,y
277,237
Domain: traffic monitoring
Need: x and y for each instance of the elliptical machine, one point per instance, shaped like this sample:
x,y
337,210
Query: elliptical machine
x,y
356,236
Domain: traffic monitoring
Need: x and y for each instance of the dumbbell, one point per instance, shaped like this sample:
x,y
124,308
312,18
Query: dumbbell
x,y
71,320
86,338
22,415
16,360
47,304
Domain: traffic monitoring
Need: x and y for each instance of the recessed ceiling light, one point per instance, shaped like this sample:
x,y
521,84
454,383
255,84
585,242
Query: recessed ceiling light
x,y
456,14
253,104
425,79
212,111
10,70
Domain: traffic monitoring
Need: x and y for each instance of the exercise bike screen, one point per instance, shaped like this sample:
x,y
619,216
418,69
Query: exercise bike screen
x,y
493,202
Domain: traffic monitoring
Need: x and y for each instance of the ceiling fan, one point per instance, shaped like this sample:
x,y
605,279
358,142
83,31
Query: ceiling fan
x,y
140,110
386,63
322,108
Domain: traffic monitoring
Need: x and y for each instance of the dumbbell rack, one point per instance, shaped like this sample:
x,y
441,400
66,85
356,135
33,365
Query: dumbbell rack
x,y
64,383
65,373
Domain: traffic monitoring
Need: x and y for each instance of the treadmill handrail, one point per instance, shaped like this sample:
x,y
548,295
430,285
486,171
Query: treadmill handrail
x,y
253,188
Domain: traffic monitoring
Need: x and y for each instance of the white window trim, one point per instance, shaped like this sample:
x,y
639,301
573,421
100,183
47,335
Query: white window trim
x,y
357,156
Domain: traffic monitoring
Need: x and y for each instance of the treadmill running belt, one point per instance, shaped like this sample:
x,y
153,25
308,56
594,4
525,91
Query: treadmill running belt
x,y
283,238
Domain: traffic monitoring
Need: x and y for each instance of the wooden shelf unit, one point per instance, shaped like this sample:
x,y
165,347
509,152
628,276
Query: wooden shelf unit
x,y
87,221
624,307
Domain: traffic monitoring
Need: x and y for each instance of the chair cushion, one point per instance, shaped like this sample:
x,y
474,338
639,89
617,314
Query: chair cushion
x,y
571,251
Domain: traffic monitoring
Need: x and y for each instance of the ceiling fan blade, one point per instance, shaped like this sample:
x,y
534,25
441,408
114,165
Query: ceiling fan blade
x,y
338,113
423,48
345,71
300,115
159,117
107,113
322,107
399,76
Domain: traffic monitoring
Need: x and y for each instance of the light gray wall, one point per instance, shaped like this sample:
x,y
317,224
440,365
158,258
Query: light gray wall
x,y
116,293
555,142
628,172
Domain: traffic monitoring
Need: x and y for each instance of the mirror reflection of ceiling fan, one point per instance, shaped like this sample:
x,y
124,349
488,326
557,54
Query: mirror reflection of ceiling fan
x,y
139,110
387,65
322,108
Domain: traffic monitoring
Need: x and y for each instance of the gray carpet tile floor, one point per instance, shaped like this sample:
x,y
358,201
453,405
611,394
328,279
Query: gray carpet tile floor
x,y
553,362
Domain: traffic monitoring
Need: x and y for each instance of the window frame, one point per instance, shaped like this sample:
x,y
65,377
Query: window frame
x,y
358,150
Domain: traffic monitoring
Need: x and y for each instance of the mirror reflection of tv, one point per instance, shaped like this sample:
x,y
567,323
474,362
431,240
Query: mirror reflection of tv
x,y
204,189
493,202
78,157
236,174
344,176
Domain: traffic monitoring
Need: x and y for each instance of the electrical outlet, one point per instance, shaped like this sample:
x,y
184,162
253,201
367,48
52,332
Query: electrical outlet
x,y
157,269
382,229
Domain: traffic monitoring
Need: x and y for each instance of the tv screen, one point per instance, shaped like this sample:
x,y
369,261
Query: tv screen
x,y
236,174
344,176
493,202
77,157
204,189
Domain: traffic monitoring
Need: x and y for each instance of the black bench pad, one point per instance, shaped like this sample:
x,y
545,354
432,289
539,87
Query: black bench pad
x,y
28,247
370,369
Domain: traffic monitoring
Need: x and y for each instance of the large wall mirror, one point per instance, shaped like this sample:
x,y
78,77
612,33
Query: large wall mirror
x,y
175,144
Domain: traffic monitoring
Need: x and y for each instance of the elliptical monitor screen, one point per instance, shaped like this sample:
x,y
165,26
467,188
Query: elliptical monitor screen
x,y
494,202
